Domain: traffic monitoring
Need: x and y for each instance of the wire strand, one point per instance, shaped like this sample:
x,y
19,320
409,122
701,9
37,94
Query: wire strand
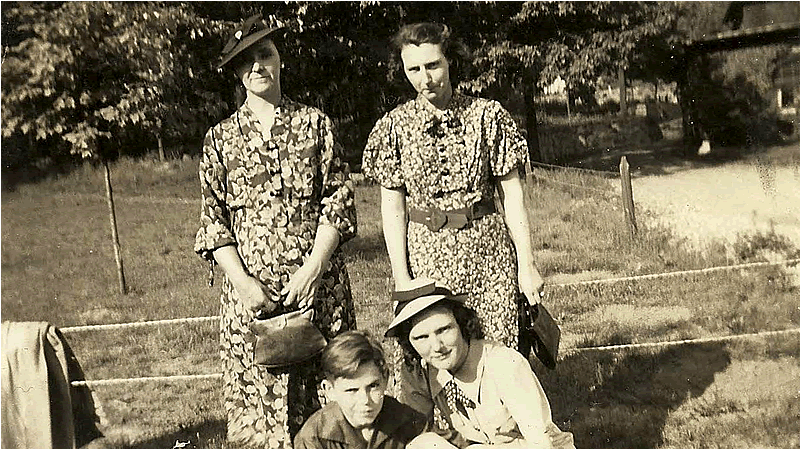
x,y
132,380
586,170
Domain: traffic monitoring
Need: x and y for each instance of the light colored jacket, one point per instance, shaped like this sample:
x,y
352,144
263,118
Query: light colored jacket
x,y
510,404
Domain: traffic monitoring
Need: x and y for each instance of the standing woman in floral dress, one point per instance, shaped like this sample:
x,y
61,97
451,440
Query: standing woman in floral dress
x,y
439,159
277,204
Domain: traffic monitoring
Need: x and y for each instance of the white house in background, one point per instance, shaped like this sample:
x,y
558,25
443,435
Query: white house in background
x,y
557,87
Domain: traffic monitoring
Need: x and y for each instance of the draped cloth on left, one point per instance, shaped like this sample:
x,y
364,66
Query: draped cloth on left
x,y
40,407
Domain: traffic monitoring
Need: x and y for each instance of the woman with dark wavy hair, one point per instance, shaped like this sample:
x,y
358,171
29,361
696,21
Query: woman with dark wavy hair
x,y
476,393
439,159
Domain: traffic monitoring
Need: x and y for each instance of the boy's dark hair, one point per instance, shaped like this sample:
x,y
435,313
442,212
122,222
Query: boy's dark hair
x,y
466,319
350,350
457,54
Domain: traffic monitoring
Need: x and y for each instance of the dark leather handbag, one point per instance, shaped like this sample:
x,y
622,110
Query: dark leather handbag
x,y
543,333
286,339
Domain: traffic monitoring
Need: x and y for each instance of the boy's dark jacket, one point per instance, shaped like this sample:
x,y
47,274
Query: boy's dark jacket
x,y
395,426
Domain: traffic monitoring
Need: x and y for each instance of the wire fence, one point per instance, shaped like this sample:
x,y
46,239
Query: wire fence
x,y
574,186
388,304
669,274
564,354
607,174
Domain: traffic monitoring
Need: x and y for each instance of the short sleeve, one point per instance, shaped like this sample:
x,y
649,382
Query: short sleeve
x,y
215,223
338,195
509,148
381,160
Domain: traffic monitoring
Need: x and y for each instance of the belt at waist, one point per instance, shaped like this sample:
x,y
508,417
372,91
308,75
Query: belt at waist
x,y
436,219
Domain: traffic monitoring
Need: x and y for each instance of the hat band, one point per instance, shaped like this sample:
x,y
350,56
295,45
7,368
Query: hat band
x,y
408,295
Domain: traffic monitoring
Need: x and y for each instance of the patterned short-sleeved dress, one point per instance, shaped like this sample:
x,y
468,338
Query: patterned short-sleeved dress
x,y
449,160
267,197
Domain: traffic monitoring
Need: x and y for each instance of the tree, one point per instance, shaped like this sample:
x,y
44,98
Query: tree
x,y
98,70
727,96
575,41
87,75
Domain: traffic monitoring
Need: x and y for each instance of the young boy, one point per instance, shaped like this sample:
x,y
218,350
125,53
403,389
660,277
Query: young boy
x,y
358,414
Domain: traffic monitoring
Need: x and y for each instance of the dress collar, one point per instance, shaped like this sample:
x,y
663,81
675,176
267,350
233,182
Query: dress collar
x,y
455,103
247,118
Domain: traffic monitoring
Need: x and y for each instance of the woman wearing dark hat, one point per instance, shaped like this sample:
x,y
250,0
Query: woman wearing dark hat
x,y
439,159
277,203
476,392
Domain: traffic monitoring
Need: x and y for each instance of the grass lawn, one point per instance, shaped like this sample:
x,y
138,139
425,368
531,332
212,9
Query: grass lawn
x,y
57,266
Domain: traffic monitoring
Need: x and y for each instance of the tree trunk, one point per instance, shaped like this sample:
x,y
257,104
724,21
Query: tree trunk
x,y
123,289
569,113
688,116
161,156
623,94
656,90
534,152
627,194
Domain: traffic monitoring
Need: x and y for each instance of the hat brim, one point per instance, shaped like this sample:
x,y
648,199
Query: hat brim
x,y
246,43
416,306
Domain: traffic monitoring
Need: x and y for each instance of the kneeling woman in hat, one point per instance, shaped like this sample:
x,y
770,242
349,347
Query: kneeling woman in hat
x,y
477,392
277,203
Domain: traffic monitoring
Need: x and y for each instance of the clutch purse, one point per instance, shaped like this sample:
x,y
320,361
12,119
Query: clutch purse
x,y
286,339
544,333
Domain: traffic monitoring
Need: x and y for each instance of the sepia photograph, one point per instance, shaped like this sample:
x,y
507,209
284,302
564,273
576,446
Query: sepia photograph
x,y
400,225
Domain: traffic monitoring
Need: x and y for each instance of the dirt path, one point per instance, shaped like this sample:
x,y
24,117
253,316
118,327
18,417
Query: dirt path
x,y
714,197
701,204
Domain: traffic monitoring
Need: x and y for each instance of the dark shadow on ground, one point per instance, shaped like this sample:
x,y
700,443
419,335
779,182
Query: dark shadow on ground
x,y
660,158
15,173
664,157
623,399
206,435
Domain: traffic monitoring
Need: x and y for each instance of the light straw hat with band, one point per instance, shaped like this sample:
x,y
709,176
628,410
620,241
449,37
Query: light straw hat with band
x,y
252,30
421,294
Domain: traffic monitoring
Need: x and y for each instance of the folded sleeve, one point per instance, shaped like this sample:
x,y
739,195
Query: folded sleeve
x,y
524,397
338,196
509,148
215,219
381,159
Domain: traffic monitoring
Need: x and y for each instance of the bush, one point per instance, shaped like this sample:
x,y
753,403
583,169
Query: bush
x,y
731,96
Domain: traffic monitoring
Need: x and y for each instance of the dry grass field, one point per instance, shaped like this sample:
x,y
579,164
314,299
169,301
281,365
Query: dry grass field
x,y
57,266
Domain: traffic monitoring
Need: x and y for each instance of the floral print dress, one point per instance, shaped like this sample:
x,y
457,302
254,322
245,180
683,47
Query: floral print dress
x,y
449,160
267,196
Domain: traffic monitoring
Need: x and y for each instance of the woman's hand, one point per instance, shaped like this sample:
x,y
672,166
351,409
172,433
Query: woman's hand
x,y
531,283
303,285
252,294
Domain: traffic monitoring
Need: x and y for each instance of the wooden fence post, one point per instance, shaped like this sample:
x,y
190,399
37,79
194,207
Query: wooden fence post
x,y
627,194
123,289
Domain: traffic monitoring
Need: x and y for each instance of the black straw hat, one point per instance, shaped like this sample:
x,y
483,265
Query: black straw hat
x,y
248,33
419,295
